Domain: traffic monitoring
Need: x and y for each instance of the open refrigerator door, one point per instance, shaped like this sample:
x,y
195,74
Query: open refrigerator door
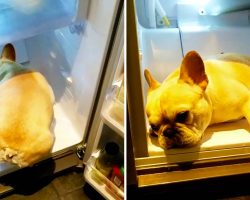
x,y
104,171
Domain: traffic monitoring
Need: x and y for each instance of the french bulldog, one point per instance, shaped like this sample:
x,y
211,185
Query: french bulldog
x,y
197,94
26,102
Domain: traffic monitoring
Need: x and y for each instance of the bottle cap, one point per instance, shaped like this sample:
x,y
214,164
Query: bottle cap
x,y
122,170
112,148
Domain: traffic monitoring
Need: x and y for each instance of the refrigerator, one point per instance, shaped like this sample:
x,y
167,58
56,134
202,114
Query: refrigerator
x,y
160,33
78,46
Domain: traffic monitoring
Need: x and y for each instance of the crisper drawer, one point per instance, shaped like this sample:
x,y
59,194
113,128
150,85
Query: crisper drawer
x,y
21,19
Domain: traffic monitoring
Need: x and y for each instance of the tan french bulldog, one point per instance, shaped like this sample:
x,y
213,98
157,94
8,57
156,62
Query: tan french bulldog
x,y
196,95
26,112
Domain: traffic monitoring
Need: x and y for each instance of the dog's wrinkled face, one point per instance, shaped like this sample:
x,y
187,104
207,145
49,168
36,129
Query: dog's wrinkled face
x,y
178,110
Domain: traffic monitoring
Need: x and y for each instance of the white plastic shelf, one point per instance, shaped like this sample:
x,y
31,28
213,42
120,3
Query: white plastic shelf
x,y
98,181
19,20
112,114
220,142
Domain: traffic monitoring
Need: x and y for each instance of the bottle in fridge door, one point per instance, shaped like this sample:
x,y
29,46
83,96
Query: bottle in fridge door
x,y
55,57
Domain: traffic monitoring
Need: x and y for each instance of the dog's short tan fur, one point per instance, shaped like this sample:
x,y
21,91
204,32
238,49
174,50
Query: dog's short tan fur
x,y
26,102
209,92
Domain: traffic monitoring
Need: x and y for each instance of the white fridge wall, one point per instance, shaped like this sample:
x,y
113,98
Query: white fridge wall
x,y
213,41
144,9
162,48
211,35
72,64
161,51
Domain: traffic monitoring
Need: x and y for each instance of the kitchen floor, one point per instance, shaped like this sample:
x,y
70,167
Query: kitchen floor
x,y
68,185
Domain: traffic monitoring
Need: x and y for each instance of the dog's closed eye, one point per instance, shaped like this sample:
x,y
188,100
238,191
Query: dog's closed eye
x,y
155,127
182,116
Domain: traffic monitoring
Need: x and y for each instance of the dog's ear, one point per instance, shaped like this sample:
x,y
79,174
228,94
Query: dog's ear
x,y
193,70
8,52
152,83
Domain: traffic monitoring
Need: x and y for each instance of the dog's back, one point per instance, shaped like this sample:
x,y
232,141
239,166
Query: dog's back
x,y
233,57
229,84
227,67
26,102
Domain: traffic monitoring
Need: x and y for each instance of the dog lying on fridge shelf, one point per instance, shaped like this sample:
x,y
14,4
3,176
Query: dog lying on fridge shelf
x,y
196,95
26,111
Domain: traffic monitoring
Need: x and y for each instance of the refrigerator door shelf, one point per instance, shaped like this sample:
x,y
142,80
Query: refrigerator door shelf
x,y
101,183
20,20
112,114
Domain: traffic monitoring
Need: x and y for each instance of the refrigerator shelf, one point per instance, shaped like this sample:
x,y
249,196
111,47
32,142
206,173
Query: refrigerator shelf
x,y
220,142
101,183
20,20
112,114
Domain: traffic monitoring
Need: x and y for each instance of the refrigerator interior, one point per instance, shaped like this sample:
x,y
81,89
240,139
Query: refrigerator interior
x,y
67,42
194,25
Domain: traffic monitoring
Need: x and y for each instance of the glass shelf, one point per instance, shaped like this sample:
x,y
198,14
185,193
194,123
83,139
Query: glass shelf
x,y
19,20
221,142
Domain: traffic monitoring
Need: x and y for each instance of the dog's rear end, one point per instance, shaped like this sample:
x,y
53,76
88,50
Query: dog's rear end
x,y
26,102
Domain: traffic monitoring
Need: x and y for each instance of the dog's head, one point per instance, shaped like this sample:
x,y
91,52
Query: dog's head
x,y
178,110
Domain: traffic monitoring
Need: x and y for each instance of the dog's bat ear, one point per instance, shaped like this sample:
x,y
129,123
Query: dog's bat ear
x,y
8,52
152,83
193,70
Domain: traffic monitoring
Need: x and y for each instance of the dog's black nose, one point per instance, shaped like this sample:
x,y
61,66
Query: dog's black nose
x,y
170,133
